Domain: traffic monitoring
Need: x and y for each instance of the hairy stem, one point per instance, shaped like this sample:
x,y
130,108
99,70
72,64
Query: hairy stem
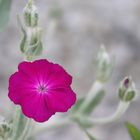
x,y
122,107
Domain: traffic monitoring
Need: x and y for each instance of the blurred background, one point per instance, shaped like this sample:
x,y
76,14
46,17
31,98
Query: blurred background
x,y
73,31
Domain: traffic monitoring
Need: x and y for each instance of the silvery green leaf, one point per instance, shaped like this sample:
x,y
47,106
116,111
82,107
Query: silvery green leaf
x,y
4,12
23,42
34,50
38,49
24,38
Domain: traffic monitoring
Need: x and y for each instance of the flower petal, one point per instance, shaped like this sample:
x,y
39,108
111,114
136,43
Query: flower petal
x,y
19,85
38,70
60,100
35,107
59,77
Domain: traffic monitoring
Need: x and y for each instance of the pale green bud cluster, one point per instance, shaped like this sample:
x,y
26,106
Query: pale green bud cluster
x,y
31,44
31,15
127,90
4,128
104,65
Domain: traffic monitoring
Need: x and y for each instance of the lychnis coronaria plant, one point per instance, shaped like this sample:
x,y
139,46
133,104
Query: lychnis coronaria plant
x,y
40,88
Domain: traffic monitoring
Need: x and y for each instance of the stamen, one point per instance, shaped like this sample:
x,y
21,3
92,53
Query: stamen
x,y
42,89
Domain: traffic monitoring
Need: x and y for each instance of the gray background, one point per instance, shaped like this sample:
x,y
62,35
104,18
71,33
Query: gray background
x,y
73,42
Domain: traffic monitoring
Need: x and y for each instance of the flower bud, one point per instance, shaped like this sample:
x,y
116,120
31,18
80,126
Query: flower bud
x,y
31,14
104,65
127,90
4,127
31,44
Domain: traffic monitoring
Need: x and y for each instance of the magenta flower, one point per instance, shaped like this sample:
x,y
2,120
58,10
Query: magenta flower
x,y
42,89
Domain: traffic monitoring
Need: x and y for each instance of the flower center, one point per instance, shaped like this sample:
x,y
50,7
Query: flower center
x,y
42,89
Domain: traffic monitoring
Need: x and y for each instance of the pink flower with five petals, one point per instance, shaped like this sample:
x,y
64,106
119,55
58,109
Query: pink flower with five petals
x,y
41,89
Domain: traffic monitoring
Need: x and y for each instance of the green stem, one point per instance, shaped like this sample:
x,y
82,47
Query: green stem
x,y
50,126
96,88
122,107
20,125
24,134
15,123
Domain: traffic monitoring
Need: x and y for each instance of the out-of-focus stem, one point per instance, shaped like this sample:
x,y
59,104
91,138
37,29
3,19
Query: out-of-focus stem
x,y
25,132
52,125
31,2
95,89
15,123
122,107
19,123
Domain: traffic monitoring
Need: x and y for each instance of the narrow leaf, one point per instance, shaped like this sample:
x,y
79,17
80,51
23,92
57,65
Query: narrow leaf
x,y
133,131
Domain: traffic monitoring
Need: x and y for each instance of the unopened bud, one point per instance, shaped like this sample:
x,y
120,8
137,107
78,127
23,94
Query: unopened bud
x,y
31,44
31,14
127,90
104,65
4,127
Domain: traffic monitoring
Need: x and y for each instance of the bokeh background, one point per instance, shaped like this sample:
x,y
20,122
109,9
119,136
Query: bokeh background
x,y
73,39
